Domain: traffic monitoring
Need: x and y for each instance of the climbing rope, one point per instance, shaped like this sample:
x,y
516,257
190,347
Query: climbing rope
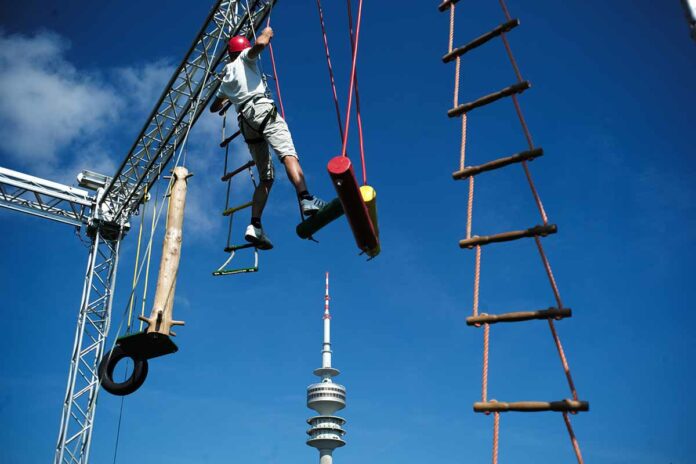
x,y
357,94
476,242
353,83
330,67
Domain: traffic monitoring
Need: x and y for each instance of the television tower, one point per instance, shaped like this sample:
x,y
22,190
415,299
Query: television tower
x,y
326,397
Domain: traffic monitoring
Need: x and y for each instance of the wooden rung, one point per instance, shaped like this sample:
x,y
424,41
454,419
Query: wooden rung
x,y
227,141
536,231
225,107
231,174
470,171
446,4
482,39
532,406
232,248
490,98
233,210
551,313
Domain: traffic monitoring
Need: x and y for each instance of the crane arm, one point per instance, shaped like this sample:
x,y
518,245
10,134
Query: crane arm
x,y
43,198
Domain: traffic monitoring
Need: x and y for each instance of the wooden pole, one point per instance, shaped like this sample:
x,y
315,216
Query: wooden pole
x,y
160,320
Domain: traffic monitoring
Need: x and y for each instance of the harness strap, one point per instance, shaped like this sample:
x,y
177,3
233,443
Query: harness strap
x,y
242,121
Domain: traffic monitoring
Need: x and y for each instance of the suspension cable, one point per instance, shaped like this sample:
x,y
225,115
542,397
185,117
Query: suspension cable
x,y
331,73
357,96
352,80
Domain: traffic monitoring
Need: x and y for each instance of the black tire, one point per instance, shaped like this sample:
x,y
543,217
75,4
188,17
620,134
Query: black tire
x,y
128,386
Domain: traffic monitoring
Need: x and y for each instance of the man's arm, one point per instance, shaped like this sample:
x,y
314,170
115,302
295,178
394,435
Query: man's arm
x,y
261,42
217,105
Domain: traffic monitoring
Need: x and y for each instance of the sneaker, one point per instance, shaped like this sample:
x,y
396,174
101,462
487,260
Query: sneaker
x,y
256,236
311,206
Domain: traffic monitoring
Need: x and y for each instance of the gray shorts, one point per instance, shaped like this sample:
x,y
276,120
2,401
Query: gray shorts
x,y
275,133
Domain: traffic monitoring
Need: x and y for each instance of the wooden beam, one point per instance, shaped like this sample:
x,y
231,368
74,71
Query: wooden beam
x,y
480,40
551,313
160,320
497,164
234,209
536,231
231,174
532,406
490,98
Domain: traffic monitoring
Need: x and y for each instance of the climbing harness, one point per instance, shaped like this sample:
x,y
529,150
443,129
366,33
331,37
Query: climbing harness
x,y
245,125
567,406
229,211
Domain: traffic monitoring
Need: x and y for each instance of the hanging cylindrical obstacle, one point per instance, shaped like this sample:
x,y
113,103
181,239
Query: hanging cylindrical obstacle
x,y
313,224
369,196
155,340
341,171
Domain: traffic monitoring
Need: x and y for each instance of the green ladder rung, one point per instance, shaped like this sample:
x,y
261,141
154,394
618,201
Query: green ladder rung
x,y
233,210
235,271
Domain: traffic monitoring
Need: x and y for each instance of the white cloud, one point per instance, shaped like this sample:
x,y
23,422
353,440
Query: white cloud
x,y
143,85
57,119
46,104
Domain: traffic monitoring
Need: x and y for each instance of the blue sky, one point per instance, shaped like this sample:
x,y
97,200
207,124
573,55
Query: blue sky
x,y
612,106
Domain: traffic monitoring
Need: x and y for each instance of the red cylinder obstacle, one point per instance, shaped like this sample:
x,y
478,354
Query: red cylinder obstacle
x,y
341,171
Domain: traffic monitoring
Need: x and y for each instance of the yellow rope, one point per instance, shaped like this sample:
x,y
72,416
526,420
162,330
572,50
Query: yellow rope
x,y
147,267
135,269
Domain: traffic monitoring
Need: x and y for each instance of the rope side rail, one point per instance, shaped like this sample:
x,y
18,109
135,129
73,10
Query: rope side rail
x,y
519,316
471,171
480,40
488,99
536,231
484,321
240,169
571,406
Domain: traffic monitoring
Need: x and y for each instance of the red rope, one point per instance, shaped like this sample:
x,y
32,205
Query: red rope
x,y
357,96
331,73
275,73
277,81
352,80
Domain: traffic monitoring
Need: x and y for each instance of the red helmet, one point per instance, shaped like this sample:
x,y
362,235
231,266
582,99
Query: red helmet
x,y
237,44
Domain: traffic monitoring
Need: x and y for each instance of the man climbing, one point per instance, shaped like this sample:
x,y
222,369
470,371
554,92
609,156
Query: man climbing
x,y
261,126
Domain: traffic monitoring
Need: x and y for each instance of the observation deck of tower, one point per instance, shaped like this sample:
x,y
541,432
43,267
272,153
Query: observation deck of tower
x,y
326,397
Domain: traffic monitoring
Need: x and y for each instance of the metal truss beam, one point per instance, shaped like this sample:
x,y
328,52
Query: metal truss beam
x,y
43,198
174,113
94,318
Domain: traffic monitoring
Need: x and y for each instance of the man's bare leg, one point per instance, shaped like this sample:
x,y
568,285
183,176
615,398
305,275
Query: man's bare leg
x,y
260,196
295,174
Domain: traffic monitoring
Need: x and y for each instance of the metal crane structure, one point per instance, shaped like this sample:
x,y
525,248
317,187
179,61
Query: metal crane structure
x,y
106,207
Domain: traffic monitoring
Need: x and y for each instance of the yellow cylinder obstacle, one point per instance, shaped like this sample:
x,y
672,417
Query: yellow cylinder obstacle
x,y
369,196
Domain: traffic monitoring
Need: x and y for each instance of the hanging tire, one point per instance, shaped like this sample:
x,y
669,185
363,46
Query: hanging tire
x,y
128,386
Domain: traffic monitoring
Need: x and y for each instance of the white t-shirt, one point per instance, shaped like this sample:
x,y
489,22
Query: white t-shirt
x,y
242,79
